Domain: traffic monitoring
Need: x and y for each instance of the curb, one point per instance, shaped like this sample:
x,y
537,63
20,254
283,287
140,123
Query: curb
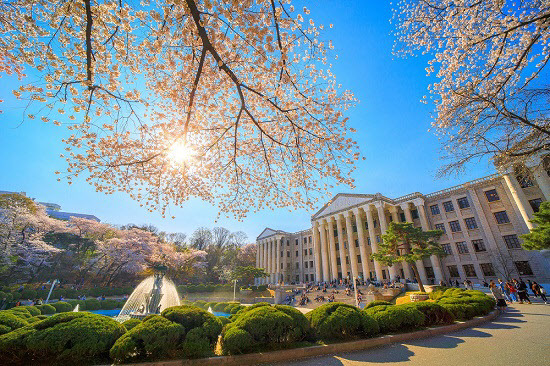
x,y
329,349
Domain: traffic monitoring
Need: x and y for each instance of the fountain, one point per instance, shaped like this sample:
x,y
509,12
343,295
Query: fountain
x,y
76,308
151,296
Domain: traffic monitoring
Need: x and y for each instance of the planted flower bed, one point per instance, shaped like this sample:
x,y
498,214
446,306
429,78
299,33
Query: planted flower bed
x,y
189,331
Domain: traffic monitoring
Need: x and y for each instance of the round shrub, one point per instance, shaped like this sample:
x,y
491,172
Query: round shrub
x,y
397,318
154,338
62,307
37,318
46,309
220,307
73,304
339,321
199,303
434,314
192,317
9,322
224,320
210,305
375,309
268,328
92,304
108,304
130,323
236,309
377,303
67,338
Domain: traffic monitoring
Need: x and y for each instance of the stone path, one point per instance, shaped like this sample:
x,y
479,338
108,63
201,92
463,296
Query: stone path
x,y
518,337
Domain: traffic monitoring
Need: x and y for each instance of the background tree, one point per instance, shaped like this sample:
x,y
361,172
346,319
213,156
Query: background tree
x,y
246,275
405,243
233,102
492,94
539,237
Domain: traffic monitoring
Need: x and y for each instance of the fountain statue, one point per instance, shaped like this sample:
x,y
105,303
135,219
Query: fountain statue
x,y
151,296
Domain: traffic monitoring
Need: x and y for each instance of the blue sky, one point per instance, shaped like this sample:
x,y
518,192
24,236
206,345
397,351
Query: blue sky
x,y
401,155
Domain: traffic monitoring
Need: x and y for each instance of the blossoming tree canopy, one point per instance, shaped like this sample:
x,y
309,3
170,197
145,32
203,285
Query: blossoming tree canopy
x,y
490,57
233,102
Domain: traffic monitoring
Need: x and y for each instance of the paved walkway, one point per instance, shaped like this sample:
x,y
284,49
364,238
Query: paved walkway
x,y
518,337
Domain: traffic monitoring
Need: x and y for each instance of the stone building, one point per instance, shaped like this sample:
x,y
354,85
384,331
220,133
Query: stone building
x,y
482,221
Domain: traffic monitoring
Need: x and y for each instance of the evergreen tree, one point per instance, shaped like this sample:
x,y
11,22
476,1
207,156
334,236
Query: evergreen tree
x,y
405,243
539,237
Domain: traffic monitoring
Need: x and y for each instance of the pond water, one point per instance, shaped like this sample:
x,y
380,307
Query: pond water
x,y
219,313
111,313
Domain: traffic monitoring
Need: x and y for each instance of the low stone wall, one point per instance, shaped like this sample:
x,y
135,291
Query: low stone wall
x,y
316,351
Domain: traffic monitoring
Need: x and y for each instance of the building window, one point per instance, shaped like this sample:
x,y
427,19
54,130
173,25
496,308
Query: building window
x,y
337,246
310,264
297,253
297,265
492,195
305,252
296,241
354,228
479,246
309,239
358,258
414,214
288,254
453,271
335,233
448,206
455,226
347,260
282,265
470,223
524,269
366,225
282,254
307,277
440,227
374,223
487,269
435,209
463,202
357,243
402,216
535,204
305,240
288,265
368,240
429,272
297,278
310,251
469,270
512,241
524,182
338,261
378,238
502,217
305,263
446,248
288,243
384,274
461,247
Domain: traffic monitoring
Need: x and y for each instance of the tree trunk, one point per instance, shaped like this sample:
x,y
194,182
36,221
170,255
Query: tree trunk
x,y
415,270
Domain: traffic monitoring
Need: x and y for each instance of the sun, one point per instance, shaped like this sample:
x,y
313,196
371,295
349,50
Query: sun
x,y
180,154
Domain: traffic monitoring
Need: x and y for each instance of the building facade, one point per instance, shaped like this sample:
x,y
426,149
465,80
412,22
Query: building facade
x,y
482,221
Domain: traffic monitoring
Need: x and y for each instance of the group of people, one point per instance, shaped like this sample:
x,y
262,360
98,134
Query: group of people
x,y
515,291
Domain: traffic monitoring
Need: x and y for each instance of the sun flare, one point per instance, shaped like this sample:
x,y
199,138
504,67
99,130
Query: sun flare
x,y
180,153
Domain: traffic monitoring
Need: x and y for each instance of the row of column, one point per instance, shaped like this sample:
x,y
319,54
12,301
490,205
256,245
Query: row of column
x,y
326,266
268,257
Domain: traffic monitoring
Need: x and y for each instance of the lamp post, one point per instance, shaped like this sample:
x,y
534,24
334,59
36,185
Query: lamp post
x,y
51,289
234,289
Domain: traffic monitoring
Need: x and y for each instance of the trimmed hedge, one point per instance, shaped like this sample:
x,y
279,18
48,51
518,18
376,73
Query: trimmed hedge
x,y
466,304
377,303
396,318
9,322
131,323
434,314
62,307
264,328
46,309
67,338
341,321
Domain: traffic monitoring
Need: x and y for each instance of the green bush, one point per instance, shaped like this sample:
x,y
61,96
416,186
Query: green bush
x,y
375,309
20,313
199,303
236,309
37,318
73,303
46,309
192,317
261,288
210,305
108,304
220,307
92,304
131,323
377,303
224,320
62,307
10,321
268,327
28,293
340,321
466,304
396,318
67,338
434,314
152,339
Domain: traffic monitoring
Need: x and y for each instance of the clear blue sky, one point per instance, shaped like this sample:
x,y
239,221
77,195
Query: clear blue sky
x,y
401,155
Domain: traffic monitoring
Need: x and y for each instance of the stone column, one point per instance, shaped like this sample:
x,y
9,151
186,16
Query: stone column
x,y
274,259
519,197
436,263
383,227
362,244
317,250
351,246
373,243
419,263
278,271
341,247
332,249
285,259
324,250
543,180
258,261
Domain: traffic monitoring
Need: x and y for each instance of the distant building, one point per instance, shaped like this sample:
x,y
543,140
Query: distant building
x,y
54,210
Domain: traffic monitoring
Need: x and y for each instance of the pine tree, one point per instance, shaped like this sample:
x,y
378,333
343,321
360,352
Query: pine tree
x,y
539,237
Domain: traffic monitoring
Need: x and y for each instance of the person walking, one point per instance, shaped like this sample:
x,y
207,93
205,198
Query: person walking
x,y
522,291
513,291
498,295
538,290
504,290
